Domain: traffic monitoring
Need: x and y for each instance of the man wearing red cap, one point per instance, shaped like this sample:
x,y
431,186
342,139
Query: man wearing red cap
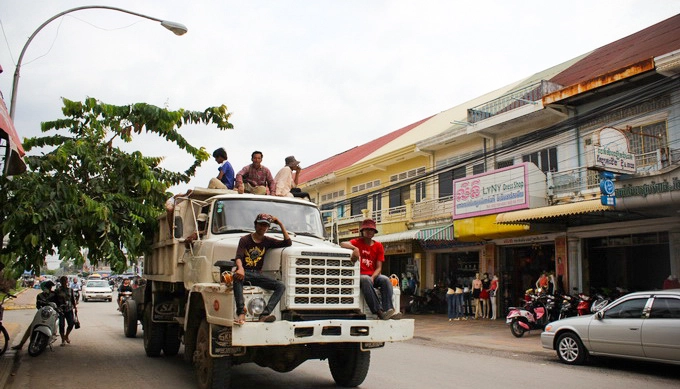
x,y
371,255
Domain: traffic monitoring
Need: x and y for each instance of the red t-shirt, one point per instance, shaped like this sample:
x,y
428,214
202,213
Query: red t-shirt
x,y
369,255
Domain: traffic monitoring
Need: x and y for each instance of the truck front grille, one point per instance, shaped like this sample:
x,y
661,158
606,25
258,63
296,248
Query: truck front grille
x,y
315,282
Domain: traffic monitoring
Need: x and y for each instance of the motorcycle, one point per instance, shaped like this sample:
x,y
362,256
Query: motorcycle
x,y
429,302
535,314
122,298
44,330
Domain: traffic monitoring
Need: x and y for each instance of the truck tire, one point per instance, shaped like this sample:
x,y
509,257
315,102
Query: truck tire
x,y
154,334
171,342
130,319
349,365
211,373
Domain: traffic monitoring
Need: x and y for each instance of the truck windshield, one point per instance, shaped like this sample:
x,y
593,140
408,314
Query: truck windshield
x,y
233,215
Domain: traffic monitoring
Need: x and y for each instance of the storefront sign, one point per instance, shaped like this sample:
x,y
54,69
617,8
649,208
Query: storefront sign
x,y
500,190
393,248
609,151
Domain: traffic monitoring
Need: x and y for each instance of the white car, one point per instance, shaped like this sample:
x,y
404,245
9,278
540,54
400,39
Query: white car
x,y
640,325
97,290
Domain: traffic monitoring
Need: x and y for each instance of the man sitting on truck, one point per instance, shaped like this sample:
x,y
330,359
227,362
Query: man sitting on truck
x,y
371,255
249,260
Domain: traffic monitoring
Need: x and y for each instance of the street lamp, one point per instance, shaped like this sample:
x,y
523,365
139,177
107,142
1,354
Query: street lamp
x,y
176,28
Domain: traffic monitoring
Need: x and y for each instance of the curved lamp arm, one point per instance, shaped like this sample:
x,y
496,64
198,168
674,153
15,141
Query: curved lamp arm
x,y
176,28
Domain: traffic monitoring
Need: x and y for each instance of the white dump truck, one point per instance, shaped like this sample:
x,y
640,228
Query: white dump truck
x,y
188,296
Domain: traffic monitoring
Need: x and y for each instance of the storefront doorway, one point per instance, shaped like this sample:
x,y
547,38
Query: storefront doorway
x,y
632,262
520,268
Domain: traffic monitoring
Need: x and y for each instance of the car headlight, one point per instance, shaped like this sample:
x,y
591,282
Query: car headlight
x,y
256,306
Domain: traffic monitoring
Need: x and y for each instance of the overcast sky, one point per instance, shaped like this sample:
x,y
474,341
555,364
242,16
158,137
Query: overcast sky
x,y
304,78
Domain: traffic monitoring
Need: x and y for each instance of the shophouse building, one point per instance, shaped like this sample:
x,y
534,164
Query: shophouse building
x,y
574,171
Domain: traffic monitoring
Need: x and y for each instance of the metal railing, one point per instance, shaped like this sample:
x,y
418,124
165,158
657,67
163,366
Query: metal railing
x,y
515,99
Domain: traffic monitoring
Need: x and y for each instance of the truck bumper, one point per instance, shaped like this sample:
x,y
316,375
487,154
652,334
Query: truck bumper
x,y
321,331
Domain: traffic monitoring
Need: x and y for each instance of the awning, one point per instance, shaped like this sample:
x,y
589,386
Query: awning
x,y
397,236
13,156
526,215
436,233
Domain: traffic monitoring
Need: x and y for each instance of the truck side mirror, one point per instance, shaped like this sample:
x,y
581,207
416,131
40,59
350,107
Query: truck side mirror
x,y
179,228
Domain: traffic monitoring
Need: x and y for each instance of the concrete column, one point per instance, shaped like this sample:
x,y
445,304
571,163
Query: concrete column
x,y
574,268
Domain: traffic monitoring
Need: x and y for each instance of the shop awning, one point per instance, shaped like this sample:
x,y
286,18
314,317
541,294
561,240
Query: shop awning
x,y
436,233
526,215
397,236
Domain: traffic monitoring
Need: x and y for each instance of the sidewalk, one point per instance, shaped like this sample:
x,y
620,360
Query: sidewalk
x,y
482,334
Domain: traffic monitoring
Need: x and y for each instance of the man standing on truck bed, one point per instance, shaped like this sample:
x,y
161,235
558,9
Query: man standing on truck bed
x,y
371,255
255,178
249,260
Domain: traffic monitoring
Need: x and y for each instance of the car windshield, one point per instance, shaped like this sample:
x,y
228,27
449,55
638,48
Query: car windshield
x,y
97,284
234,215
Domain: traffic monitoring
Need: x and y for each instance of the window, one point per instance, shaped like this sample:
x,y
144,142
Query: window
x,y
421,191
359,203
665,308
546,159
647,138
478,168
399,196
446,181
629,309
376,199
506,163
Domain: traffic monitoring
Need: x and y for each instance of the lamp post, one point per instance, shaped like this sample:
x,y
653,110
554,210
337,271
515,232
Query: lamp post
x,y
176,28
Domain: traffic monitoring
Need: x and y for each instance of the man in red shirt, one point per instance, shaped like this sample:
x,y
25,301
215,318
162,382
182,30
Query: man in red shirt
x,y
371,255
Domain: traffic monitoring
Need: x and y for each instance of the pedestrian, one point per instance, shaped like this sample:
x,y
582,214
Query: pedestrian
x,y
371,256
65,300
287,179
225,177
255,178
249,261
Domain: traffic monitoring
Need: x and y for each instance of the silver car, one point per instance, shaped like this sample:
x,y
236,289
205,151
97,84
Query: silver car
x,y
640,325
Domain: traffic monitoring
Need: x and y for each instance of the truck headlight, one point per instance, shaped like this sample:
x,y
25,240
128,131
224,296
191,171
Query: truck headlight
x,y
256,306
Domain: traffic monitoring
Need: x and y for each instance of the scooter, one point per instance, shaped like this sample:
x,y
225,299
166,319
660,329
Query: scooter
x,y
534,315
44,330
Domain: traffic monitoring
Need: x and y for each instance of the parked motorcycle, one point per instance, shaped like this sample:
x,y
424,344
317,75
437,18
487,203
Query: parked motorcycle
x,y
429,302
44,330
535,314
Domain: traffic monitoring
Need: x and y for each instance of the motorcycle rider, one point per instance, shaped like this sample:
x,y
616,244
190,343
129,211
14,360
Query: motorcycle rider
x,y
42,299
124,287
75,286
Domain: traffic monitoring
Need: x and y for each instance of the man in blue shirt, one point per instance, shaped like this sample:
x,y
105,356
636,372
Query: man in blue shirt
x,y
226,171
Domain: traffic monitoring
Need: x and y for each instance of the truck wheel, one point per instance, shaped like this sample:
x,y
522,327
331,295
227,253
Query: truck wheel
x,y
171,342
154,334
211,373
349,365
130,319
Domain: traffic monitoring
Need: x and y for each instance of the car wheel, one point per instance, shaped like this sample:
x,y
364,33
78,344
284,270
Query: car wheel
x,y
570,349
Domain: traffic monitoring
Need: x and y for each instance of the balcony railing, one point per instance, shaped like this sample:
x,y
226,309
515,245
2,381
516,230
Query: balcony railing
x,y
515,99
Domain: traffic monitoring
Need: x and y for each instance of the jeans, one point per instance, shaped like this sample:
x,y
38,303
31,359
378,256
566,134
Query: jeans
x,y
458,305
450,304
67,317
256,278
383,283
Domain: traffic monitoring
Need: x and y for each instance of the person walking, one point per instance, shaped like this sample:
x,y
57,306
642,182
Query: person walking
x,y
66,302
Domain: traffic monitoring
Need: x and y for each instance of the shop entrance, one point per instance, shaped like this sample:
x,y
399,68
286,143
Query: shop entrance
x,y
632,262
520,268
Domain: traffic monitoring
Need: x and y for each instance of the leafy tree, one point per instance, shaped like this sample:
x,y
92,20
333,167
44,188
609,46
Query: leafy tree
x,y
88,194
